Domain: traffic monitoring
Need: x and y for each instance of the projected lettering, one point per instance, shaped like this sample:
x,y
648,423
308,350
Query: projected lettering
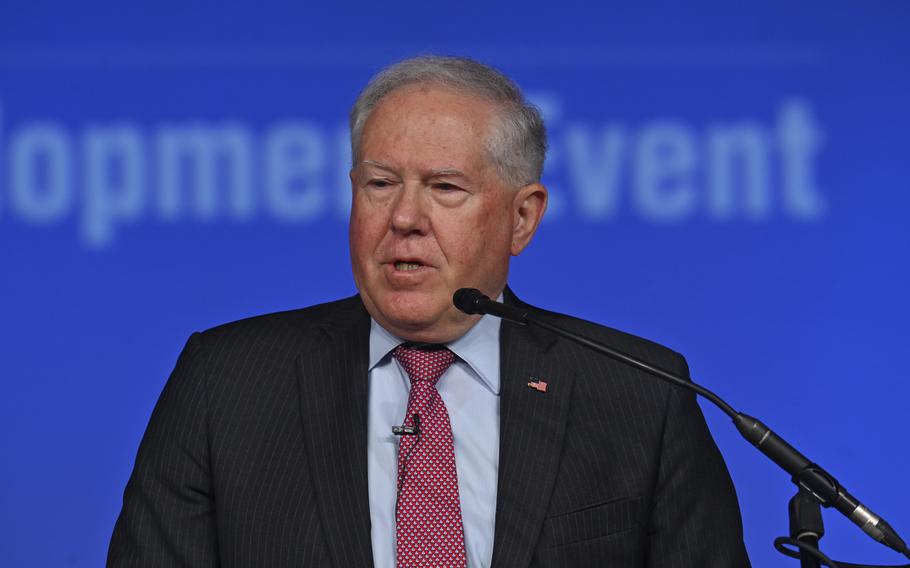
x,y
108,177
673,171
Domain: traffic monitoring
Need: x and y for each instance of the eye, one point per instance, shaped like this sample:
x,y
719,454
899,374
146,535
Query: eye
x,y
379,183
448,194
446,187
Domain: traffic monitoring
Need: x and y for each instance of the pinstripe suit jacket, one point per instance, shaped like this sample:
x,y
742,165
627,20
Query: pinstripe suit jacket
x,y
255,454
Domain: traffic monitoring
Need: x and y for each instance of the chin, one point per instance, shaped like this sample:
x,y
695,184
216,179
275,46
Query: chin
x,y
415,316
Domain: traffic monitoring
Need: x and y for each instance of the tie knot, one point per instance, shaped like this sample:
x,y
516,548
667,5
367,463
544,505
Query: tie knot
x,y
422,364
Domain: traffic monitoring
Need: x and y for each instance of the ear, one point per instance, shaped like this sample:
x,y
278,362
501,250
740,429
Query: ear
x,y
527,211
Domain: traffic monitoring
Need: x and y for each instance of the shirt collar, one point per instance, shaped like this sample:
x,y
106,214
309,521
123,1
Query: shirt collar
x,y
479,348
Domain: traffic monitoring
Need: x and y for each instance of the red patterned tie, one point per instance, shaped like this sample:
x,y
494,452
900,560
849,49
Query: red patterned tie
x,y
428,512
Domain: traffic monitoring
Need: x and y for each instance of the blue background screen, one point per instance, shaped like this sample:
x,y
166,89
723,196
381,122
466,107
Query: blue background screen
x,y
727,178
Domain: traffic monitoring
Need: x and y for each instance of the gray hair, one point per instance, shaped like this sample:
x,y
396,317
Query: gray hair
x,y
517,144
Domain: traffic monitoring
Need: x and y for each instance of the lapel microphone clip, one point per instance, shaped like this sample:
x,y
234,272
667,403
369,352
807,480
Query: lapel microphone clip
x,y
408,430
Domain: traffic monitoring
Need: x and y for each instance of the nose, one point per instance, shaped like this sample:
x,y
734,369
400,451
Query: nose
x,y
409,212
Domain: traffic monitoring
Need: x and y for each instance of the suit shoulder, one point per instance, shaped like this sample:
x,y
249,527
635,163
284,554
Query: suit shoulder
x,y
640,347
284,326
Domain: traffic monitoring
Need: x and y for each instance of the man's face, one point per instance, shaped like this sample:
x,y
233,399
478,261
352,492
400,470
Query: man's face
x,y
430,213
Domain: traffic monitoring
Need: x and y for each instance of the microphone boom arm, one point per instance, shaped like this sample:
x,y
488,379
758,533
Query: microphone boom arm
x,y
803,472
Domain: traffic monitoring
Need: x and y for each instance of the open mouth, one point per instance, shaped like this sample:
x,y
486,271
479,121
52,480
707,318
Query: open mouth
x,y
407,266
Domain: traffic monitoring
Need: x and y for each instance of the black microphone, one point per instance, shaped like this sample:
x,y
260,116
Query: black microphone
x,y
805,473
473,301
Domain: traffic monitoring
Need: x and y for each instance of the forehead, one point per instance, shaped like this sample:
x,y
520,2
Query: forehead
x,y
427,126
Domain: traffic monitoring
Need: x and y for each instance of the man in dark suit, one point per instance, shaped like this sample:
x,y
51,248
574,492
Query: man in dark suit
x,y
269,446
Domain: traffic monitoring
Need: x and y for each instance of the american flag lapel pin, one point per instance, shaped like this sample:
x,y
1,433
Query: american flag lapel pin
x,y
537,384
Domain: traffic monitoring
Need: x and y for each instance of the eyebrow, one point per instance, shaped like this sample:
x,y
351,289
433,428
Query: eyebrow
x,y
433,173
447,172
376,164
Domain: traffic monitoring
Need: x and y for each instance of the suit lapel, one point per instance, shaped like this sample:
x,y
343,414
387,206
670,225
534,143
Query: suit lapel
x,y
334,384
333,381
532,428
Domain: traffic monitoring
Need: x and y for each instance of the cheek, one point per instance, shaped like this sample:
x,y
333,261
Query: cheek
x,y
366,228
477,246
496,225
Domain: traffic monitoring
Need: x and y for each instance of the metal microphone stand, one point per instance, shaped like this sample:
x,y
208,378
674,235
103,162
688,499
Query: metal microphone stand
x,y
816,486
806,525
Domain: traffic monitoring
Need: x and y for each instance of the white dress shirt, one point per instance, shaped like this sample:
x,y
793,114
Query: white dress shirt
x,y
470,390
